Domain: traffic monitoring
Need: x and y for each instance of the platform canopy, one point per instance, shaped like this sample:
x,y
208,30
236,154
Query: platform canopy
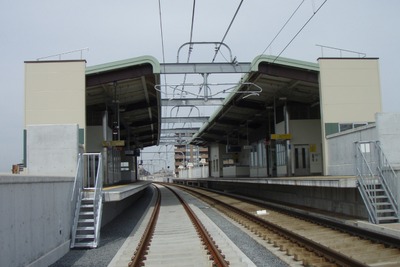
x,y
125,89
259,99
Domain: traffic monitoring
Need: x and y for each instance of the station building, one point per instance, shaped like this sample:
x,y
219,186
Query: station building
x,y
285,119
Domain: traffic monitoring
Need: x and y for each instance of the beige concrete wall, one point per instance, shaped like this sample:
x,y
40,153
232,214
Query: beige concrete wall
x,y
55,92
349,93
349,90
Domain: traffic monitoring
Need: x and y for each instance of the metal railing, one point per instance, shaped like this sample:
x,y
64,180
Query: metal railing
x,y
88,180
98,186
374,172
388,176
76,197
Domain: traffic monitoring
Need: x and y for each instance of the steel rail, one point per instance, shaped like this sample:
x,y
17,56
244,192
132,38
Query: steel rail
x,y
369,235
141,250
216,255
327,253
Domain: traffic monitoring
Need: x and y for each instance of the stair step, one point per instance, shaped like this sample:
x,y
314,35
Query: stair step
x,y
388,218
382,204
379,197
85,228
84,244
84,236
87,206
385,210
86,213
86,221
88,199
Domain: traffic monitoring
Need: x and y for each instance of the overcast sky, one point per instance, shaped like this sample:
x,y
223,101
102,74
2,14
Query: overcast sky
x,y
114,30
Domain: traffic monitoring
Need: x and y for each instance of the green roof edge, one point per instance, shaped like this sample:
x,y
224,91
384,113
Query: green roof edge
x,y
283,61
125,63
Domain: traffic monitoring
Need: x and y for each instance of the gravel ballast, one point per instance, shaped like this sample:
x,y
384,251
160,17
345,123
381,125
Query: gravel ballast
x,y
114,234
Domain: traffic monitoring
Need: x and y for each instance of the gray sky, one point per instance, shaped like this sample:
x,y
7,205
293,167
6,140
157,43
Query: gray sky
x,y
114,30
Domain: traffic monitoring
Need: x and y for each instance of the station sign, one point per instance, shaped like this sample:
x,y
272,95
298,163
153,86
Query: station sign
x,y
281,136
116,143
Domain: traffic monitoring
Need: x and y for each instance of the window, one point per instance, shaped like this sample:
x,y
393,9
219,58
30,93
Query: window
x,y
280,154
349,126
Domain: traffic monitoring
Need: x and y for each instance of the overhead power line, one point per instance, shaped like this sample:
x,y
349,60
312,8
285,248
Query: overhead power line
x,y
226,33
162,40
191,31
284,25
305,24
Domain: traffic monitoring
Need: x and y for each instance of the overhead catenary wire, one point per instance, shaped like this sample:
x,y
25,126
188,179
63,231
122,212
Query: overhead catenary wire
x,y
162,40
299,31
190,38
284,25
227,30
280,30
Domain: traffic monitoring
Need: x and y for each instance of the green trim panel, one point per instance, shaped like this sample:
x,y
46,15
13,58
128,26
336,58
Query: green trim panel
x,y
331,128
25,150
81,136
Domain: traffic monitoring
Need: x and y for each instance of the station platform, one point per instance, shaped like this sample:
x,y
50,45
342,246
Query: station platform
x,y
121,192
318,181
338,195
334,197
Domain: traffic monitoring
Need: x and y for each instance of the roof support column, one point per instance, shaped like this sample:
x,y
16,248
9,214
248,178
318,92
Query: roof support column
x,y
288,153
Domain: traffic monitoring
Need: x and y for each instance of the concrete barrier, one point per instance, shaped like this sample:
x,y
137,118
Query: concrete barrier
x,y
35,219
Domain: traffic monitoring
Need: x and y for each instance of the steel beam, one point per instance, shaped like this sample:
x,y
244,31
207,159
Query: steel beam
x,y
192,102
200,68
180,130
183,119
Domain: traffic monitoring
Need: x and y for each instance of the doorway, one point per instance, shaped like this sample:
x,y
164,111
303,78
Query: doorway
x,y
301,160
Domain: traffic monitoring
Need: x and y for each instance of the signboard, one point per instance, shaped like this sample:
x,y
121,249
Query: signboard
x,y
114,143
281,136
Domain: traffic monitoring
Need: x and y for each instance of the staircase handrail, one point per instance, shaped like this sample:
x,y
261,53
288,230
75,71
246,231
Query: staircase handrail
x,y
89,177
98,199
388,177
371,209
76,197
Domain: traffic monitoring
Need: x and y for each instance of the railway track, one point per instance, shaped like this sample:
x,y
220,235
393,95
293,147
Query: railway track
x,y
310,242
175,237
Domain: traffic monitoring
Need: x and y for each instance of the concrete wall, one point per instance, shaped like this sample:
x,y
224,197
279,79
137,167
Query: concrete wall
x,y
308,132
94,136
349,89
35,219
341,149
52,149
55,92
349,93
388,128
194,172
344,201
216,160
304,132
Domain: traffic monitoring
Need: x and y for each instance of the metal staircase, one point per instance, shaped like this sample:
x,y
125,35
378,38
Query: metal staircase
x,y
87,196
376,179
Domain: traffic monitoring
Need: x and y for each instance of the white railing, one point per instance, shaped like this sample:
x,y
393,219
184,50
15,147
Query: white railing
x,y
76,197
88,180
373,171
389,178
98,199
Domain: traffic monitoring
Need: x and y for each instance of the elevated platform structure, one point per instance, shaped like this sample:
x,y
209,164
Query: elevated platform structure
x,y
121,192
326,194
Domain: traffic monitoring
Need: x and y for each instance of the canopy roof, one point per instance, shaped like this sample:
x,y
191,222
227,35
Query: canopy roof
x,y
270,84
126,90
